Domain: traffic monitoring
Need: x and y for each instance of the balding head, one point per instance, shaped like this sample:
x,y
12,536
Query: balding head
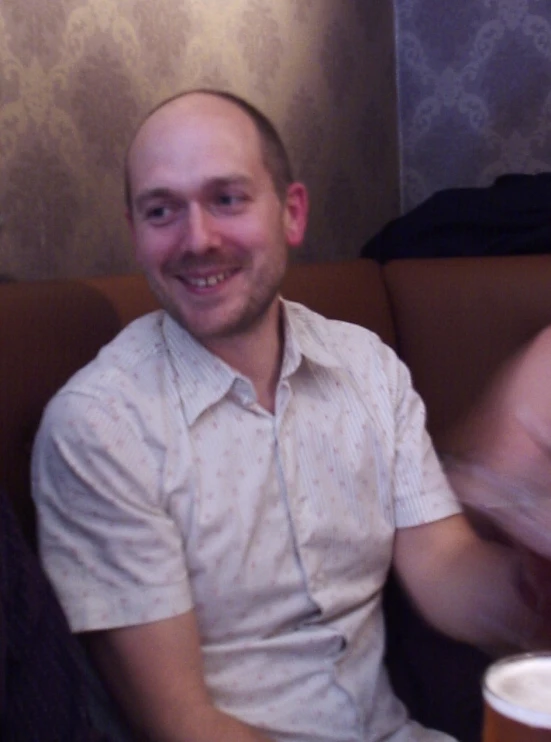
x,y
211,231
273,152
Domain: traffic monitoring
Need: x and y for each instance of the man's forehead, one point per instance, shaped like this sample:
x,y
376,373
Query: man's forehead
x,y
191,140
191,110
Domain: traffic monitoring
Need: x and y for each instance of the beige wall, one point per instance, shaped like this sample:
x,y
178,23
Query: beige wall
x,y
77,75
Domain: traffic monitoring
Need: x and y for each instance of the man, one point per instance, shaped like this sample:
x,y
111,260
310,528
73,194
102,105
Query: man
x,y
223,491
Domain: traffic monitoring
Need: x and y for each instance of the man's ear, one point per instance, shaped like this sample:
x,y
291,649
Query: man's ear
x,y
295,215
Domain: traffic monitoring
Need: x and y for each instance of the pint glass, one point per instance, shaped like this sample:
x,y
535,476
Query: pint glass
x,y
517,699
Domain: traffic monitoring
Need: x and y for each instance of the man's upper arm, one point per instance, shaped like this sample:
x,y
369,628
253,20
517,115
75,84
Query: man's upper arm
x,y
423,556
107,540
466,587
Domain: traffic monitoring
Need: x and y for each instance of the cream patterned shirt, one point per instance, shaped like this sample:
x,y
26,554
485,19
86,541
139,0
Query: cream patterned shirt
x,y
163,486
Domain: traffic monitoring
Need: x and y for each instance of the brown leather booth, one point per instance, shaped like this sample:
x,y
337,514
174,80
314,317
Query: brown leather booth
x,y
453,321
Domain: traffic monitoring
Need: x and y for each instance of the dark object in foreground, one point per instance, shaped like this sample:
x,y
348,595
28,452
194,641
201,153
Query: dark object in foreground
x,y
42,689
511,217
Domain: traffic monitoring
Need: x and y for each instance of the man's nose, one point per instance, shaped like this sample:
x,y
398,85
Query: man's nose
x,y
201,233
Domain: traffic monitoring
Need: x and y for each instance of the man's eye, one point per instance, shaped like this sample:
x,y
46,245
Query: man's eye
x,y
158,214
230,201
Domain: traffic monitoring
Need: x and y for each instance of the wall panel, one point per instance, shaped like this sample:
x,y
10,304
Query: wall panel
x,y
77,75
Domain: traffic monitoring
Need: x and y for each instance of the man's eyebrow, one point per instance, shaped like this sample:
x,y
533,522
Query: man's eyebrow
x,y
228,180
222,181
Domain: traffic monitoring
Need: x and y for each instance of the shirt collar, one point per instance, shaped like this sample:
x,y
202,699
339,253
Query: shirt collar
x,y
303,339
204,379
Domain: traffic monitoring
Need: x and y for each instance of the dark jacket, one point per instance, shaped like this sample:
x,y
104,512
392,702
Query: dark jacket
x,y
42,689
511,217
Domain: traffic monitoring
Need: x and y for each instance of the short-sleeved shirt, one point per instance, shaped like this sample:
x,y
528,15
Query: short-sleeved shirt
x,y
163,486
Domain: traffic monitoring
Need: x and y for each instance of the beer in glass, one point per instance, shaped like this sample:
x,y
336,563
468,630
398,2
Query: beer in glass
x,y
517,699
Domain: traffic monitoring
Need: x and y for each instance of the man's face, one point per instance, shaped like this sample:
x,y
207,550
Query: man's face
x,y
210,231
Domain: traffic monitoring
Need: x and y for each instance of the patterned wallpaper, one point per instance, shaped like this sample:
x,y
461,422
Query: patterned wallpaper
x,y
77,75
474,90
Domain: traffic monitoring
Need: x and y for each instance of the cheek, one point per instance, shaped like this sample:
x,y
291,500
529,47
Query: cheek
x,y
153,248
144,255
255,235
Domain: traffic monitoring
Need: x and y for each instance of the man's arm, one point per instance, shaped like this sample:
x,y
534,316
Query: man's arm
x,y
155,672
466,587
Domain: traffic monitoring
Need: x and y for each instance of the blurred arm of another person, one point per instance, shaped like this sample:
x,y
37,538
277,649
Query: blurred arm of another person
x,y
500,466
499,458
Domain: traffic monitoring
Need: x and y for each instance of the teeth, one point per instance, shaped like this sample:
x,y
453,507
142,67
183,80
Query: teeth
x,y
209,280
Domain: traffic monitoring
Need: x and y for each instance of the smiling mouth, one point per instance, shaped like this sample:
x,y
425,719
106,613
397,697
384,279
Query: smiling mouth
x,y
203,282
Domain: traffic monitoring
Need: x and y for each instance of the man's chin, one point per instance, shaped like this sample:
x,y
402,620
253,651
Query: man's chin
x,y
205,331
222,329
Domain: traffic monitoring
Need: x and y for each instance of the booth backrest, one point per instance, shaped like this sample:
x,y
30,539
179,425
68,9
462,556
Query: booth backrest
x,y
453,322
456,321
49,329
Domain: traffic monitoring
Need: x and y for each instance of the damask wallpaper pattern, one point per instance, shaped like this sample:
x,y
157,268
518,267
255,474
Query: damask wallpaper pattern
x,y
76,76
474,91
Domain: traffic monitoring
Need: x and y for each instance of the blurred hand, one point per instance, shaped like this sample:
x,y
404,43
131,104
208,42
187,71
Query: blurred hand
x,y
519,508
516,511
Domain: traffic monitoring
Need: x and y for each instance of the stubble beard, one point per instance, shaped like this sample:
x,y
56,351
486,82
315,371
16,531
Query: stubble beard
x,y
250,316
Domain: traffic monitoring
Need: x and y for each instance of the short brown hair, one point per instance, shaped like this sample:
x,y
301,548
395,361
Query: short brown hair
x,y
274,155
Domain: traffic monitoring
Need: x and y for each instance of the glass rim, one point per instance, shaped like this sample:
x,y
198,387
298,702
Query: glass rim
x,y
507,707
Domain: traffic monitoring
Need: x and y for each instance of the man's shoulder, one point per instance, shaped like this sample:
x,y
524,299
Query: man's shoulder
x,y
130,359
118,394
346,341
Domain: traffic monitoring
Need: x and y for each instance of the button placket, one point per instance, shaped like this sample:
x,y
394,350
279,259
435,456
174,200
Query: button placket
x,y
298,507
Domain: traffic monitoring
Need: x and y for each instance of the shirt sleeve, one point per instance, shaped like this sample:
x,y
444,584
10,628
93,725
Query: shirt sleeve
x,y
422,493
108,544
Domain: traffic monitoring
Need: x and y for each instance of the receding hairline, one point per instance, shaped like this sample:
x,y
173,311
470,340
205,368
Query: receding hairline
x,y
273,152
170,103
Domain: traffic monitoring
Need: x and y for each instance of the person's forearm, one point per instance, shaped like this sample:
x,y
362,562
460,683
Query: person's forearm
x,y
204,725
211,724
201,723
161,702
